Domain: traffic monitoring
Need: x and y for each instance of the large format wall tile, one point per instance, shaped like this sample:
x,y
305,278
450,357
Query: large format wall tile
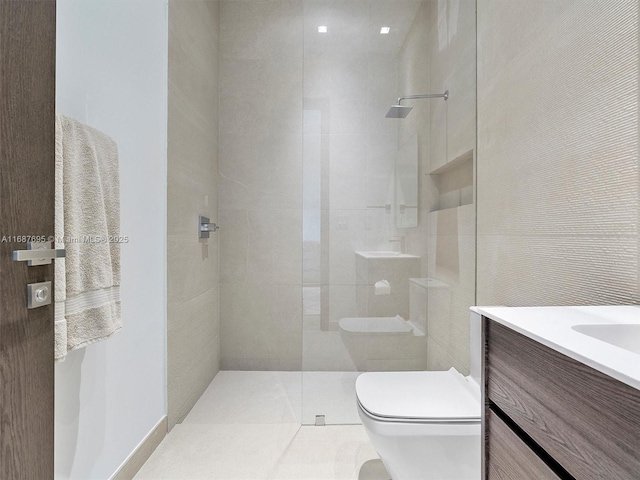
x,y
192,266
325,351
261,96
336,76
382,91
342,303
194,69
260,183
192,167
261,246
274,252
261,326
506,28
346,236
190,197
461,105
452,63
255,29
347,20
234,245
452,261
348,166
192,176
191,368
260,171
558,182
380,171
541,270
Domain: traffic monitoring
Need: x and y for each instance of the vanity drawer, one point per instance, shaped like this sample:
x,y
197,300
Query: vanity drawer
x,y
510,457
588,422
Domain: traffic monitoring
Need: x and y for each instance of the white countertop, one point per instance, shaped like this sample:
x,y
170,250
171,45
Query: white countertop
x,y
551,326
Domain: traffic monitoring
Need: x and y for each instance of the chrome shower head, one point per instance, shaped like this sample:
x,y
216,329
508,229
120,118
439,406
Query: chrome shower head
x,y
401,111
398,111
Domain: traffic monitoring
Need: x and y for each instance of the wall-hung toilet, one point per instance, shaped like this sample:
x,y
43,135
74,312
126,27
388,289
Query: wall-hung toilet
x,y
426,425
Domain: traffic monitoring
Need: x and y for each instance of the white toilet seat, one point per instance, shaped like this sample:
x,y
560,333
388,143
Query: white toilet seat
x,y
412,422
419,397
405,428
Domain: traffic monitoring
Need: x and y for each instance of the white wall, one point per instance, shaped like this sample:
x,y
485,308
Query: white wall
x,y
112,75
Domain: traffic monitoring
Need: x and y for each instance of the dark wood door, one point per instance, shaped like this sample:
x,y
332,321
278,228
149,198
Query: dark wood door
x,y
27,97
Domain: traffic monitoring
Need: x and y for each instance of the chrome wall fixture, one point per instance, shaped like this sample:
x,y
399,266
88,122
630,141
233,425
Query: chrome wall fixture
x,y
401,111
205,228
386,207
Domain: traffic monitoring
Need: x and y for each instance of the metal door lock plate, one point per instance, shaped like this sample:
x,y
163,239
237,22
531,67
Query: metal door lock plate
x,y
38,294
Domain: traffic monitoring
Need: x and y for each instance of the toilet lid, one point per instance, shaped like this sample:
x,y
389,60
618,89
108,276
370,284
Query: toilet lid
x,y
434,396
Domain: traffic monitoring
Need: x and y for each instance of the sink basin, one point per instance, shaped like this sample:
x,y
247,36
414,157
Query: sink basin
x,y
626,336
385,255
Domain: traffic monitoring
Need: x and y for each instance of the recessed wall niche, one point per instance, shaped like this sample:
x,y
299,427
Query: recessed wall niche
x,y
454,182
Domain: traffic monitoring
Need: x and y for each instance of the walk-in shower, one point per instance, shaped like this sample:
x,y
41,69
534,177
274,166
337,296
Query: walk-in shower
x,y
401,111
348,239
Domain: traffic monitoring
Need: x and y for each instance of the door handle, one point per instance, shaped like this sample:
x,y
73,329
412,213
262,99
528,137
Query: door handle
x,y
38,253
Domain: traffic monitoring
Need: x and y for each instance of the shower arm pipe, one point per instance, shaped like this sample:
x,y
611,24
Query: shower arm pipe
x,y
444,95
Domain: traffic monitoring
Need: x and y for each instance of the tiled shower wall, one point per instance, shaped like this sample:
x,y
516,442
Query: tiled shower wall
x,y
192,177
350,79
275,73
289,95
260,181
439,55
558,184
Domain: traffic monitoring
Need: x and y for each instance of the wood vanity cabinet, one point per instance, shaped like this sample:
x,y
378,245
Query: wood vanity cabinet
x,y
547,416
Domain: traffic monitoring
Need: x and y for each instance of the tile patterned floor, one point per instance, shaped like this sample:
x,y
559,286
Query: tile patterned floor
x,y
249,398
332,394
246,427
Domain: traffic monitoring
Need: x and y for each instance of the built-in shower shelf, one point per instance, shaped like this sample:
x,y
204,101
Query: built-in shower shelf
x,y
465,157
444,210
454,182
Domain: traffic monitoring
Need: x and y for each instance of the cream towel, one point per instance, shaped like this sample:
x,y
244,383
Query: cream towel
x,y
87,282
60,288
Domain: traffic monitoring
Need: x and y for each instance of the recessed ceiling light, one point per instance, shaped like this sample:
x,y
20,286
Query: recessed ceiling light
x,y
385,30
322,29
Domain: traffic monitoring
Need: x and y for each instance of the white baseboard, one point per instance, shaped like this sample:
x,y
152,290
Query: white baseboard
x,y
142,452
